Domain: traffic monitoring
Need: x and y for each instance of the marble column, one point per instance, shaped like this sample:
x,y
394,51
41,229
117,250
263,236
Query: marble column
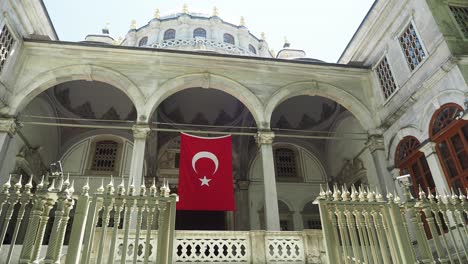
x,y
265,141
242,206
383,180
140,132
435,166
298,221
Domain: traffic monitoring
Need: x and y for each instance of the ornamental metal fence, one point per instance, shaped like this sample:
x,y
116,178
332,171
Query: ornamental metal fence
x,y
44,215
359,226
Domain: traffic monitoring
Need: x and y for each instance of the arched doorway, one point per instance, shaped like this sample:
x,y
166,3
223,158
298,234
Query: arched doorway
x,y
209,110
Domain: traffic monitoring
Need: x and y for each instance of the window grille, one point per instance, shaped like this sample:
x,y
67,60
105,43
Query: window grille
x,y
252,49
169,34
412,48
461,16
285,161
228,38
386,78
105,156
143,41
6,44
199,33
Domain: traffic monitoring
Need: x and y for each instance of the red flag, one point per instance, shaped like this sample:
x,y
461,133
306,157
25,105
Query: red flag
x,y
205,174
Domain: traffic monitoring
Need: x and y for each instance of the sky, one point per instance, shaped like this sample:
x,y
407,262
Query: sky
x,y
322,28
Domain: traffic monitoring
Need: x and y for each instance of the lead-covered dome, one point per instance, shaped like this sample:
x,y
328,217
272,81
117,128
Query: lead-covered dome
x,y
196,32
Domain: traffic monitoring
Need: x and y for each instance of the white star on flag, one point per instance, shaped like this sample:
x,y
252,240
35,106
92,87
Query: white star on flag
x,y
204,181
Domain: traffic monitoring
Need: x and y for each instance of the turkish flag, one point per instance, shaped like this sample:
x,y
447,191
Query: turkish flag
x,y
205,174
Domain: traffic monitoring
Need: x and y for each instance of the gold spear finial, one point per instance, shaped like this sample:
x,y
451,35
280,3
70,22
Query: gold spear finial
x,y
157,15
242,21
215,11
133,24
185,9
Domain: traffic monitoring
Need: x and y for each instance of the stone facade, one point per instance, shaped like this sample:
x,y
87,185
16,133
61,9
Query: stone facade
x,y
333,119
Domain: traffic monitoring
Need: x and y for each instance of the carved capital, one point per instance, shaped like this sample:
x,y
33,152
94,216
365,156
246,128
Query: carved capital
x,y
375,142
8,125
140,131
265,137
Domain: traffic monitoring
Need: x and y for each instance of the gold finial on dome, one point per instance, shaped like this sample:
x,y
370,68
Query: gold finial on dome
x,y
157,15
263,36
185,9
133,24
242,21
215,11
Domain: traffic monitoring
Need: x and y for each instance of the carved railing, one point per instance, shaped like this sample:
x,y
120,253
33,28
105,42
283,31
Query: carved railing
x,y
87,243
201,44
361,227
230,246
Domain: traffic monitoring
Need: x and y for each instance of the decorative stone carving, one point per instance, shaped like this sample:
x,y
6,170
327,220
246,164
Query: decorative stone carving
x,y
8,126
140,131
265,137
375,142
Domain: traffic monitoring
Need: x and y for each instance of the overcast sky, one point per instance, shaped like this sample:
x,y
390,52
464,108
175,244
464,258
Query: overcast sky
x,y
322,28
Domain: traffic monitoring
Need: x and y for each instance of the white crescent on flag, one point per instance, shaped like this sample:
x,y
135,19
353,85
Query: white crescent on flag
x,y
205,154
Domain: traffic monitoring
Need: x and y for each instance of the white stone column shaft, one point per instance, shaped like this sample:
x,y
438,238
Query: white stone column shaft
x,y
140,132
265,141
383,180
435,166
298,221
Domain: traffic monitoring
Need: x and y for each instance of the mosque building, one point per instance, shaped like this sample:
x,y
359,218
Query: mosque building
x,y
394,103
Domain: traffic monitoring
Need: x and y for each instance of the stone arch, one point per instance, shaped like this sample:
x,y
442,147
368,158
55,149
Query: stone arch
x,y
447,96
46,80
79,150
207,80
347,100
410,130
126,135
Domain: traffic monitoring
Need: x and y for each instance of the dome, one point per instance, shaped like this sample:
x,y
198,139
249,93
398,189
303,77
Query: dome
x,y
196,32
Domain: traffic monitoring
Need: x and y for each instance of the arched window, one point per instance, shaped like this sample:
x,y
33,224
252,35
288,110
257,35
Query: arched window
x,y
199,33
105,156
285,163
228,38
411,161
169,34
143,41
252,49
451,138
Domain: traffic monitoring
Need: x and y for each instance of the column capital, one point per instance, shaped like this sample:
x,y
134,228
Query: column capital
x,y
265,137
375,142
428,148
243,184
8,125
141,131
